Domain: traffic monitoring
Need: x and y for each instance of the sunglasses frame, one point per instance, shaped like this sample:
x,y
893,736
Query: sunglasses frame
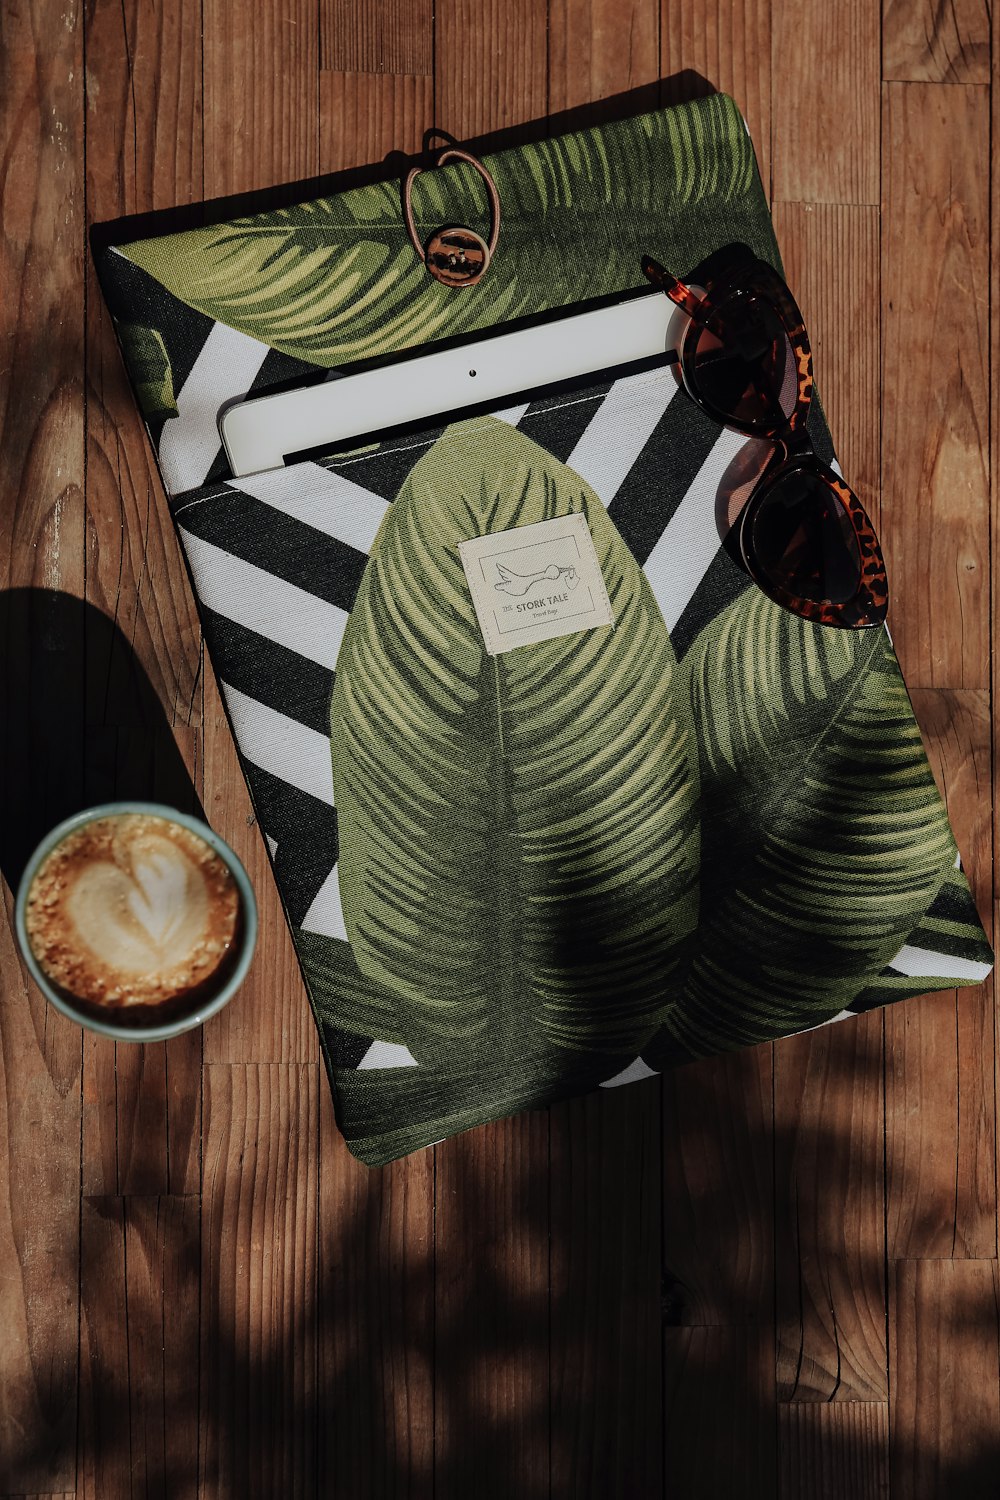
x,y
793,447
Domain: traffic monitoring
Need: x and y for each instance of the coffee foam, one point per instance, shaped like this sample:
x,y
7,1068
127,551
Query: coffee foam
x,y
133,911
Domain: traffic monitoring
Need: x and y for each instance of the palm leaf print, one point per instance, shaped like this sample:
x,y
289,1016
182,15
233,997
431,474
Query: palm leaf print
x,y
336,279
518,841
824,839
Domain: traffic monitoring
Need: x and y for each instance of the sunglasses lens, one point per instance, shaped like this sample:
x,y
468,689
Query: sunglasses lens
x,y
744,363
802,540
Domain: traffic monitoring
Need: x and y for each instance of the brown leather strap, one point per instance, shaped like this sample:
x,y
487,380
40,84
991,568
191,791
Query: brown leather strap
x,y
455,255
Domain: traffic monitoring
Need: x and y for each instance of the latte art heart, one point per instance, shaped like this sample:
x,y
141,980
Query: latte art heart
x,y
132,910
143,918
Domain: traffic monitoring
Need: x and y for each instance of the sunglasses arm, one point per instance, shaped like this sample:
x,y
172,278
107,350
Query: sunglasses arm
x,y
678,293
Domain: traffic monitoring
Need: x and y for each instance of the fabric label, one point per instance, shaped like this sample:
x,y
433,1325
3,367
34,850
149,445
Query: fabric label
x,y
532,583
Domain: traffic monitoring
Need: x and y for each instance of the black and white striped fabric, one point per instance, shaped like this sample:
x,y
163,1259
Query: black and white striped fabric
x,y
277,560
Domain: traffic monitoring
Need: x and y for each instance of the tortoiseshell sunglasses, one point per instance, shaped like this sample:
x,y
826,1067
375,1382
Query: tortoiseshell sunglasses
x,y
803,533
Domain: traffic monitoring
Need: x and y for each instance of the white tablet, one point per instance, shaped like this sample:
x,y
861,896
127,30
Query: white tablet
x,y
260,432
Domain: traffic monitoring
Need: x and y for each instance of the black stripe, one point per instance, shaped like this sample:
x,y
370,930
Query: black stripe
x,y
135,297
346,1049
662,475
724,581
305,831
953,903
278,544
268,672
558,424
384,471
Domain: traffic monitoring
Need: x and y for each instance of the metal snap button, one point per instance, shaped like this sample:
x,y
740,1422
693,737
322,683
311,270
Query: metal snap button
x,y
456,256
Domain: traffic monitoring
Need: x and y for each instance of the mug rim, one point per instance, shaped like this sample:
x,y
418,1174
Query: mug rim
x,y
165,1030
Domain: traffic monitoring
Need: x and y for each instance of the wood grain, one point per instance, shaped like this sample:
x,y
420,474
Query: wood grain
x,y
719,1425
144,152
606,1378
269,1019
718,1192
945,1415
825,119
492,1274
396,36
375,1320
924,41
41,548
139,1393
597,48
829,1232
835,1450
940,1088
725,45
935,246
489,64
261,87
364,118
259,1402
830,253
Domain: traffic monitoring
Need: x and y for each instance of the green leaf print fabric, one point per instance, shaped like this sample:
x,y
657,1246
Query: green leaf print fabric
x,y
513,878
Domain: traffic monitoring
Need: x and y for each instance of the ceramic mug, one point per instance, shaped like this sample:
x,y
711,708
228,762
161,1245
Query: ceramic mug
x,y
187,1020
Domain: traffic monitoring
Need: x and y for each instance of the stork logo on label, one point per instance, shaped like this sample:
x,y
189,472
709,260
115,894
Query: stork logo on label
x,y
520,583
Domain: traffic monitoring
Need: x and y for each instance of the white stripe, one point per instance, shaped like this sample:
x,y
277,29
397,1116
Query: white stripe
x,y
278,744
226,368
685,551
842,1015
322,498
388,1055
511,414
281,611
620,430
920,963
631,1074
326,914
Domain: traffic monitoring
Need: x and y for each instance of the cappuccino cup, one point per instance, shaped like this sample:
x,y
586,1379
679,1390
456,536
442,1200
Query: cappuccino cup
x,y
136,921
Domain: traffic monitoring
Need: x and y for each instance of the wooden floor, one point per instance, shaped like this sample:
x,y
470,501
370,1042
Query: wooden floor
x,y
773,1275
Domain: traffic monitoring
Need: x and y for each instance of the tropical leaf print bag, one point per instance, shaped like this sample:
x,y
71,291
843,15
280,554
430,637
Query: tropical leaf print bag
x,y
517,875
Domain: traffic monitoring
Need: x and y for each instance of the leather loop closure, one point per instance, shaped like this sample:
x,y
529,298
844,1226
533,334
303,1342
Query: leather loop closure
x,y
455,255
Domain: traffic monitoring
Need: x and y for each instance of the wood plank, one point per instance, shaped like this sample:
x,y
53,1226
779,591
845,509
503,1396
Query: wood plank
x,y
935,245
269,1019
261,87
141,1104
940,1066
930,43
364,117
725,45
375,1319
826,120
600,47
719,1429
835,1450
259,1400
144,150
489,64
104,1457
718,1192
829,1232
491,1396
41,570
606,1408
139,1393
945,1414
396,36
830,251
